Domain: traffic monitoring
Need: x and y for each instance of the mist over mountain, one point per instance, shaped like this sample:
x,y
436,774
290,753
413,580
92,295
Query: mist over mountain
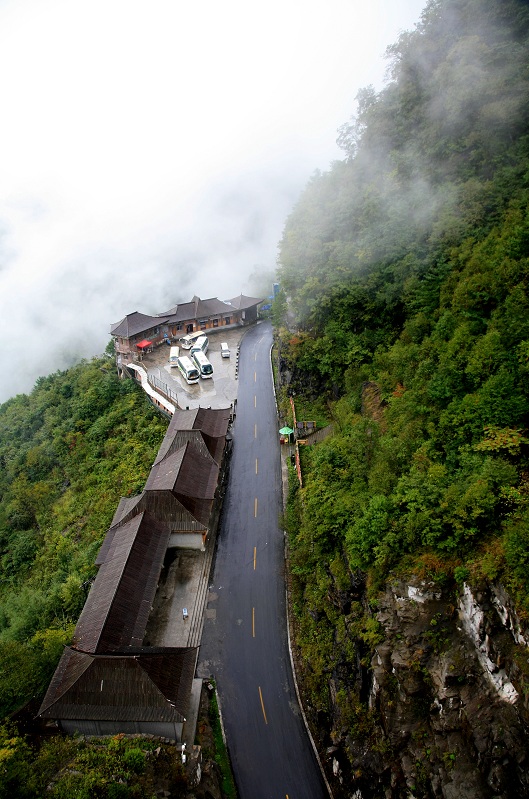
x,y
151,152
420,156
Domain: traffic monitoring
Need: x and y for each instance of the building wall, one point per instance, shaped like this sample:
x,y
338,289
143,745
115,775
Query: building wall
x,y
194,325
186,541
100,727
127,351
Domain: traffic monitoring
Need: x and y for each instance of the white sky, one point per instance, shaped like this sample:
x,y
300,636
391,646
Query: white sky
x,y
150,151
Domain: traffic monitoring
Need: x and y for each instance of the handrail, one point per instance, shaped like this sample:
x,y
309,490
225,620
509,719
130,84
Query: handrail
x,y
158,399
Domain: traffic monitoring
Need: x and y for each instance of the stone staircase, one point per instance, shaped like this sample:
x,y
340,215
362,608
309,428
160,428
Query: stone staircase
x,y
196,621
314,436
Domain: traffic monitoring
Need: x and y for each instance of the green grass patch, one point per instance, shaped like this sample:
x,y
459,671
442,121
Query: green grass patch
x,y
313,410
221,753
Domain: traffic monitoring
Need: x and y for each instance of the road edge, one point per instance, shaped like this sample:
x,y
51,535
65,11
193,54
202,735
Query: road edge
x,y
284,487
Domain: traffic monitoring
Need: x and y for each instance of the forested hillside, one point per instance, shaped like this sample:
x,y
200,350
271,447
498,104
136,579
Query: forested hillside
x,y
405,271
69,451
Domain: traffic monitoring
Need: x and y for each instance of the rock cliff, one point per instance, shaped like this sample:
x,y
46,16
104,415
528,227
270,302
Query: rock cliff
x,y
446,696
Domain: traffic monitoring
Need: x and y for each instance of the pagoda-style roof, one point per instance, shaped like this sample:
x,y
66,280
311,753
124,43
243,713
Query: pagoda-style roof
x,y
206,428
134,323
135,684
197,309
116,611
242,302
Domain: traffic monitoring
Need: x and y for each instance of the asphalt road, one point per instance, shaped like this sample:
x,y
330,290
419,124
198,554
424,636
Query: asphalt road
x,y
244,642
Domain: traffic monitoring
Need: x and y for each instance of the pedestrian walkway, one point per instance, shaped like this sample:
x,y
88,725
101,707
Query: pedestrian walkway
x,y
177,616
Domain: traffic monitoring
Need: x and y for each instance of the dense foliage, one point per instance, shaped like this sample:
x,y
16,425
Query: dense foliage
x,y
69,451
110,768
406,270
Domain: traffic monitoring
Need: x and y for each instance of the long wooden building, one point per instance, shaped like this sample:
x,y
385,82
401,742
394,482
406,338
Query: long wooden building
x,y
107,681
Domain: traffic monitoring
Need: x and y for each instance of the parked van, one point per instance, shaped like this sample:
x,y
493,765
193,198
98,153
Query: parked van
x,y
173,356
201,344
224,350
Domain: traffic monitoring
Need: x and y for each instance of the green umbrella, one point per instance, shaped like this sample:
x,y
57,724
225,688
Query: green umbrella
x,y
286,431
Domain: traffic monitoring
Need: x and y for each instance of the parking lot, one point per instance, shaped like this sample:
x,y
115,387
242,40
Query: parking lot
x,y
220,391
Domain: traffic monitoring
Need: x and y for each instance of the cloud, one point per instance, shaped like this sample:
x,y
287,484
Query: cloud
x,y
151,151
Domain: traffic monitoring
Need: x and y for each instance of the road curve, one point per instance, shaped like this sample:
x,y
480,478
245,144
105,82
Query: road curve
x,y
244,642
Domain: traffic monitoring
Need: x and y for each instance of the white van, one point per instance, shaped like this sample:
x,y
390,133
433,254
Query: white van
x,y
224,350
174,352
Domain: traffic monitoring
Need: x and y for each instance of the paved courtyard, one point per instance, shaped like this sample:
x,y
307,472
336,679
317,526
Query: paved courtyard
x,y
218,392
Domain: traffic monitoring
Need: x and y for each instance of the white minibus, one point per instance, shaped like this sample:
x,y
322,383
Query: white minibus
x,y
202,363
224,350
187,341
201,344
188,370
174,352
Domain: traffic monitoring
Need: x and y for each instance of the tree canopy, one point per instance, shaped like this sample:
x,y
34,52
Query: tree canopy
x,y
406,271
404,275
69,451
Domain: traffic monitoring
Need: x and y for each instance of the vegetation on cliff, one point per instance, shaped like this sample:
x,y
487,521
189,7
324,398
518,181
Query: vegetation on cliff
x,y
405,279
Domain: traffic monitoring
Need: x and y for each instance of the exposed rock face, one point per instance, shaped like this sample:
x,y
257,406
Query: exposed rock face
x,y
446,687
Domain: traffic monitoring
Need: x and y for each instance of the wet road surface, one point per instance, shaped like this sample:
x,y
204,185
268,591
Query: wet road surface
x,y
244,643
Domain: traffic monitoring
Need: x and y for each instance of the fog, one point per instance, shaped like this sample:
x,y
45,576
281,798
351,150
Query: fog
x,y
152,151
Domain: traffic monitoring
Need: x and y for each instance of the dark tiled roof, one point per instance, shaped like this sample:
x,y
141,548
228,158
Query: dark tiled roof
x,y
184,312
197,309
133,324
212,421
162,505
182,420
205,425
117,608
211,307
242,302
144,684
198,475
193,483
164,473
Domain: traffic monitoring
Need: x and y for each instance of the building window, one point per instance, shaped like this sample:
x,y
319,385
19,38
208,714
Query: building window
x,y
203,324
179,327
227,320
215,323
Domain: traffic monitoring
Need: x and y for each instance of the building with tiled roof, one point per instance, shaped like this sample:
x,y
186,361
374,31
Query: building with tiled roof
x,y
109,680
142,691
137,332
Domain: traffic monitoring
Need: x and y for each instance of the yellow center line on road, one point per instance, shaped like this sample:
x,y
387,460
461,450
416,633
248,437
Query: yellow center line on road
x,y
256,465
254,557
253,622
262,705
255,377
255,430
255,400
255,508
